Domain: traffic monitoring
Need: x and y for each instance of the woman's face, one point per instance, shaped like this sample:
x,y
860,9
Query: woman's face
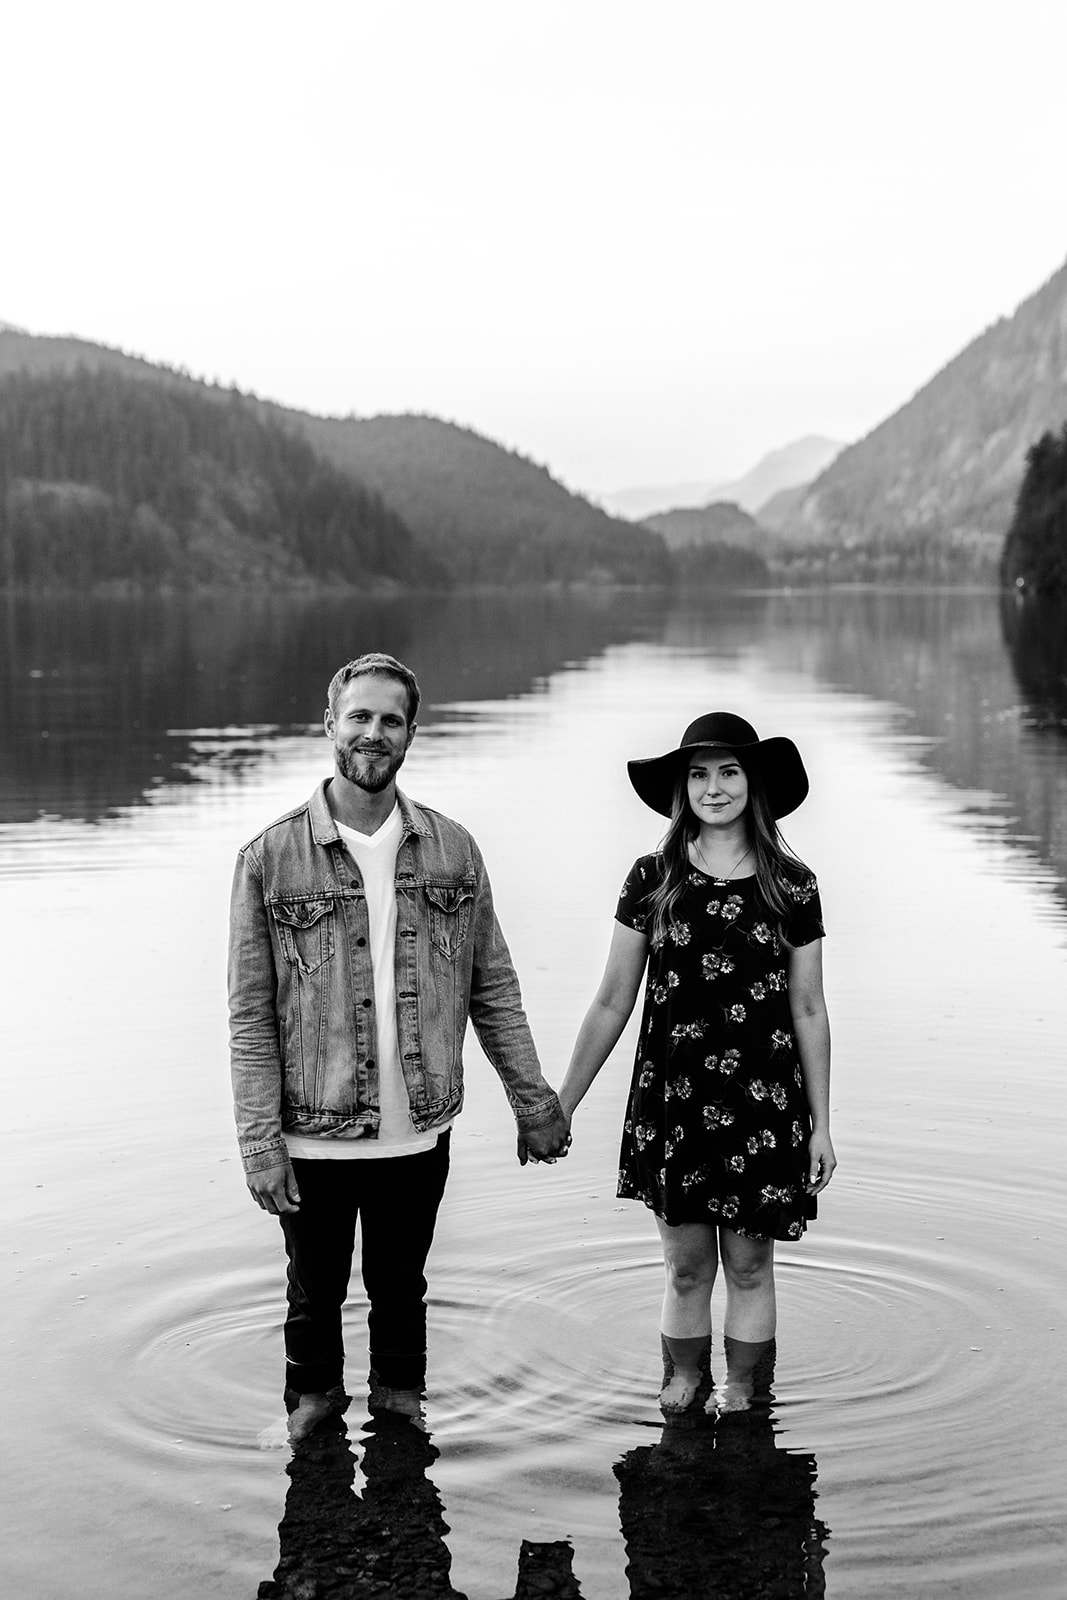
x,y
717,786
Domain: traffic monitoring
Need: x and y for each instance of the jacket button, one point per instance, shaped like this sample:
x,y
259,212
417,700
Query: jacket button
x,y
366,1003
353,883
361,942
370,1066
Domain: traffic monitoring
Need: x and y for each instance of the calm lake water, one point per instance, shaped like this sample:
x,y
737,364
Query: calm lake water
x,y
916,1442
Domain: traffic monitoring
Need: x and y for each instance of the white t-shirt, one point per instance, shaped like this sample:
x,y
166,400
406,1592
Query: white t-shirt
x,y
375,856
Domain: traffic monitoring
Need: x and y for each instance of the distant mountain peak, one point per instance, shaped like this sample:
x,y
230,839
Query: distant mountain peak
x,y
783,468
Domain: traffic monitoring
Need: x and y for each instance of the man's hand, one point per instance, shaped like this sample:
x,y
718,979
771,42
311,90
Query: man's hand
x,y
545,1143
274,1189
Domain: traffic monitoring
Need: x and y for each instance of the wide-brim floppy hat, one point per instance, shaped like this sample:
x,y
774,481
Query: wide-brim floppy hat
x,y
776,760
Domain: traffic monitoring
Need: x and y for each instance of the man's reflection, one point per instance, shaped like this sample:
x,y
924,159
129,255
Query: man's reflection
x,y
388,1541
716,1510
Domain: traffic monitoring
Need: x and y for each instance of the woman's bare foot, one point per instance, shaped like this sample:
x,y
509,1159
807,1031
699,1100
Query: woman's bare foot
x,y
681,1391
309,1411
734,1395
687,1380
749,1369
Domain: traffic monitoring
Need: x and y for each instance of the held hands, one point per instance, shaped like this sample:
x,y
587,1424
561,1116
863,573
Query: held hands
x,y
274,1189
548,1143
822,1162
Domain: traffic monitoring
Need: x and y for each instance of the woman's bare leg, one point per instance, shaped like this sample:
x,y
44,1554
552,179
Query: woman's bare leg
x,y
690,1260
751,1313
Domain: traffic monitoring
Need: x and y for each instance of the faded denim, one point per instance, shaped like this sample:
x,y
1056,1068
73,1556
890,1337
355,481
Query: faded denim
x,y
302,1018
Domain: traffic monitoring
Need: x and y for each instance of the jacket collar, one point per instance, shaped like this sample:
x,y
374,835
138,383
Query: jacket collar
x,y
324,828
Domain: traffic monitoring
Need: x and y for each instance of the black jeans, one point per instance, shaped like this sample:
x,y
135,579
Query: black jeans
x,y
395,1199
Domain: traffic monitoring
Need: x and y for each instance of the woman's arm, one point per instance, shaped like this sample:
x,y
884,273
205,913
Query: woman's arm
x,y
608,1014
812,1028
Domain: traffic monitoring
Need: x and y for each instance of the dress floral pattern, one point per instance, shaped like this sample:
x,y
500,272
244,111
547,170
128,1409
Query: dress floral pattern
x,y
717,1121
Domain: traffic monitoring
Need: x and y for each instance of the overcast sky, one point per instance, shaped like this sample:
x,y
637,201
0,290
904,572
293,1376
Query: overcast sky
x,y
641,243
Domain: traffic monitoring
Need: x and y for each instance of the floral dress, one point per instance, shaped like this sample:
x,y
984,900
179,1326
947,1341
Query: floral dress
x,y
717,1121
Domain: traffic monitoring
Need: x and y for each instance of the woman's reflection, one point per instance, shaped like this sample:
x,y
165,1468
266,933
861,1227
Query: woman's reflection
x,y
715,1509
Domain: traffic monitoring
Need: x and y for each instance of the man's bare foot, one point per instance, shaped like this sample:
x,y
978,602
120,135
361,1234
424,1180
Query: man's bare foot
x,y
309,1411
402,1402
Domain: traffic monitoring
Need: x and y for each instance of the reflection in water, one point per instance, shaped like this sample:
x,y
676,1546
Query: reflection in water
x,y
1035,631
715,1508
940,658
101,700
387,1541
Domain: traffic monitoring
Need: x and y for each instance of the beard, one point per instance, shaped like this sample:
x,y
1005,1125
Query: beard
x,y
371,771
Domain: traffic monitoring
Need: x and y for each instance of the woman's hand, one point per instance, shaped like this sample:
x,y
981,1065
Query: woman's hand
x,y
546,1144
821,1162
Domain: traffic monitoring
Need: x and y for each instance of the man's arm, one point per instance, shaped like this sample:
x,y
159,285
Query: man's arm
x,y
255,1055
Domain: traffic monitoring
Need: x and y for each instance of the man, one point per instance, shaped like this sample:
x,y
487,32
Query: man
x,y
362,937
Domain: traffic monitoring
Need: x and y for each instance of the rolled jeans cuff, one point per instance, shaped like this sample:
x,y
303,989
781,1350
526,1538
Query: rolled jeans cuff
x,y
398,1369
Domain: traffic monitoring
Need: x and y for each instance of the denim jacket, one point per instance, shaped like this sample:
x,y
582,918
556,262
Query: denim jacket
x,y
302,1019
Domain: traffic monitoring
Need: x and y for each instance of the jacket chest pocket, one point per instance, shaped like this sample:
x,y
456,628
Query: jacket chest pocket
x,y
450,913
306,930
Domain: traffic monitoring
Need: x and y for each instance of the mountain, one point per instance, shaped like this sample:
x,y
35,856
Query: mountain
x,y
793,464
716,546
936,482
486,512
477,512
105,479
719,523
781,509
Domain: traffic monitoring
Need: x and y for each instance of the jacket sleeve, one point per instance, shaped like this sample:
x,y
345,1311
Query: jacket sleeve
x,y
255,1052
496,1010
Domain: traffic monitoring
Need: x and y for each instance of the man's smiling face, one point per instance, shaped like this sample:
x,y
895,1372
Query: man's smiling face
x,y
370,731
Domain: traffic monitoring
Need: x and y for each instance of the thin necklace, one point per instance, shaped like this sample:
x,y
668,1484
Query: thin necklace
x,y
721,877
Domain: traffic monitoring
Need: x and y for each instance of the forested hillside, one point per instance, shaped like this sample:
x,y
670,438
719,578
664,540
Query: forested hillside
x,y
486,512
722,522
1035,551
934,485
714,545
107,479
478,513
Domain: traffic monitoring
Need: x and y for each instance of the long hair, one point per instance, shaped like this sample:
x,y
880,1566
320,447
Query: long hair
x,y
776,865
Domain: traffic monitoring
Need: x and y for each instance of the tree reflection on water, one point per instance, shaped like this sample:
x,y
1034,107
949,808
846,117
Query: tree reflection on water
x,y
102,702
1035,631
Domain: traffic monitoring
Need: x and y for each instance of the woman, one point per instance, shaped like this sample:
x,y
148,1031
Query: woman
x,y
727,1130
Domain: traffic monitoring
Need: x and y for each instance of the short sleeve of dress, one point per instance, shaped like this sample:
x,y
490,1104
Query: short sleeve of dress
x,y
633,909
804,922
